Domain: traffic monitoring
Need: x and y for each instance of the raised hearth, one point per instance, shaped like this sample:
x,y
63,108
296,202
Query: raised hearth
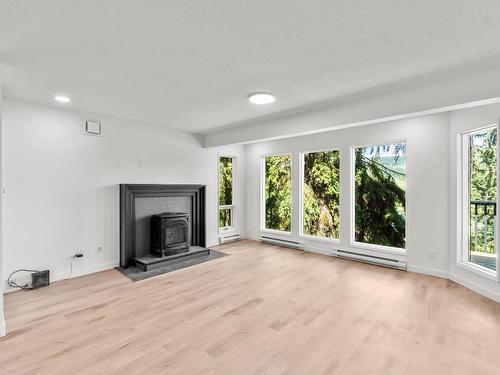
x,y
151,262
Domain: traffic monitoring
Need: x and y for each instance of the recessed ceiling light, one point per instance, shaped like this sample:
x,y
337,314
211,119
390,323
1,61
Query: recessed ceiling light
x,y
261,98
62,99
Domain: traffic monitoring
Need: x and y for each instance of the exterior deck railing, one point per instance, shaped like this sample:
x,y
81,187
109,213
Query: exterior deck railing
x,y
484,211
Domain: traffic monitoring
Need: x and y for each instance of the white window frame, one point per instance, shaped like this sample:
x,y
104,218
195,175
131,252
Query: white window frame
x,y
301,199
352,168
263,228
463,206
232,207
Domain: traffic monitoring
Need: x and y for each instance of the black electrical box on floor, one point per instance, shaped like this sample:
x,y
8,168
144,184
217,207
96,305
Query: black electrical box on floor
x,y
40,279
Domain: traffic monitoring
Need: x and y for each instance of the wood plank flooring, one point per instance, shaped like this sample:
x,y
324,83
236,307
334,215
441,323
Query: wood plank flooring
x,y
261,310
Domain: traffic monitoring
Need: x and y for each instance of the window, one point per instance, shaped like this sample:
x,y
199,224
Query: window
x,y
226,195
278,193
380,195
321,194
479,198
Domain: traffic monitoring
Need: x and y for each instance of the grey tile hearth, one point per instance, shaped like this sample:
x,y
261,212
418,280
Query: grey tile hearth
x,y
137,274
151,262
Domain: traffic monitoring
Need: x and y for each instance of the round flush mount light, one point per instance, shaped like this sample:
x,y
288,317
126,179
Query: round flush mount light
x,y
261,98
62,99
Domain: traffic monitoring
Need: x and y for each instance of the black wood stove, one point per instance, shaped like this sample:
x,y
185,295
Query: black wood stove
x,y
169,233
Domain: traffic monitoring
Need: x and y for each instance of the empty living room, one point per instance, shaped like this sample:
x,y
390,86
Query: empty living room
x,y
230,187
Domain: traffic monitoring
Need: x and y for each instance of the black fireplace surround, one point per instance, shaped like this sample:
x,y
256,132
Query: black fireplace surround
x,y
160,220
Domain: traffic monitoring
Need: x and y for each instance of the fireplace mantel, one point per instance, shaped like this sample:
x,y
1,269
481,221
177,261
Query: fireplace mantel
x,y
155,199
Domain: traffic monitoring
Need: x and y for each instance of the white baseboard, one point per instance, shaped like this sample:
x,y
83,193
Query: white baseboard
x,y
428,271
250,237
3,328
475,287
307,247
318,251
85,270
76,273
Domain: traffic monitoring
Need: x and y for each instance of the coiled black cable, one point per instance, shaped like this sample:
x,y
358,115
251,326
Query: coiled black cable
x,y
15,285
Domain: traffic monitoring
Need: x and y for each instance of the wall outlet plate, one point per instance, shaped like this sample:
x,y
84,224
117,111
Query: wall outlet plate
x,y
40,279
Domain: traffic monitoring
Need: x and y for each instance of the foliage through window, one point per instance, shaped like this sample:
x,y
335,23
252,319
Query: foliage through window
x,y
278,192
482,191
380,195
226,205
321,194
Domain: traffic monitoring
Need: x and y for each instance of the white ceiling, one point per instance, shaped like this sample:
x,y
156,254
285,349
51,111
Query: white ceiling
x,y
190,64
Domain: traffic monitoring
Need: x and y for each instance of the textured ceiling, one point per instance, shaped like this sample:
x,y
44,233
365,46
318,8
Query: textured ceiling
x,y
190,64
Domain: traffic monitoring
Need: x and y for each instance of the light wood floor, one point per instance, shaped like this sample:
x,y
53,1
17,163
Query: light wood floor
x,y
261,310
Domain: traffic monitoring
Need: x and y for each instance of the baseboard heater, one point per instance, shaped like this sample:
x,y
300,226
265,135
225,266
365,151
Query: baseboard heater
x,y
372,259
230,238
282,242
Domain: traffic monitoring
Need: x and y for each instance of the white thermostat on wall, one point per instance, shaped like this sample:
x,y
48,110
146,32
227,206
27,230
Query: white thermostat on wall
x,y
92,127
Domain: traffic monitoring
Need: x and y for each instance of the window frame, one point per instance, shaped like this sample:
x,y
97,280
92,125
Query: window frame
x,y
263,228
463,206
301,197
232,207
352,208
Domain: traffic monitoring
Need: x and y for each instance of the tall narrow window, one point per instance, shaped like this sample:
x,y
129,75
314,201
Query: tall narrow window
x,y
226,196
380,195
278,192
480,195
321,193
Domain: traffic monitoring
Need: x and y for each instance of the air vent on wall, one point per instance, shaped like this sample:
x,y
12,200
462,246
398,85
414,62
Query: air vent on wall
x,y
92,127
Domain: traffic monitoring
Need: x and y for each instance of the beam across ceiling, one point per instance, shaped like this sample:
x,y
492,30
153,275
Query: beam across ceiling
x,y
473,89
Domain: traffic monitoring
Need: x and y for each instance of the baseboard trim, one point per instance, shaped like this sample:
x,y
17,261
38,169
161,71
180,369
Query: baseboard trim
x,y
250,237
475,287
3,327
86,270
318,251
428,271
77,272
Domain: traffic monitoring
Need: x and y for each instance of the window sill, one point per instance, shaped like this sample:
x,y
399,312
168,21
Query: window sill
x,y
379,248
478,270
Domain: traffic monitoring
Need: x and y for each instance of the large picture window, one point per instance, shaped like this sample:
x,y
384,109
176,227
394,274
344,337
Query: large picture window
x,y
278,192
479,198
226,193
321,194
380,195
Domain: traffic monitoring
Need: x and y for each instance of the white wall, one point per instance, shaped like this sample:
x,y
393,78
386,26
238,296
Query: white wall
x,y
2,320
61,186
427,183
460,122
66,184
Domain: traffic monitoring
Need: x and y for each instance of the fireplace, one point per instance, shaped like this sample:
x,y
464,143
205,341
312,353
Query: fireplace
x,y
160,222
169,233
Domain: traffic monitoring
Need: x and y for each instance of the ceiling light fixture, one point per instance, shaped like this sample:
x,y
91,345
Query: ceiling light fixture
x,y
261,98
62,99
